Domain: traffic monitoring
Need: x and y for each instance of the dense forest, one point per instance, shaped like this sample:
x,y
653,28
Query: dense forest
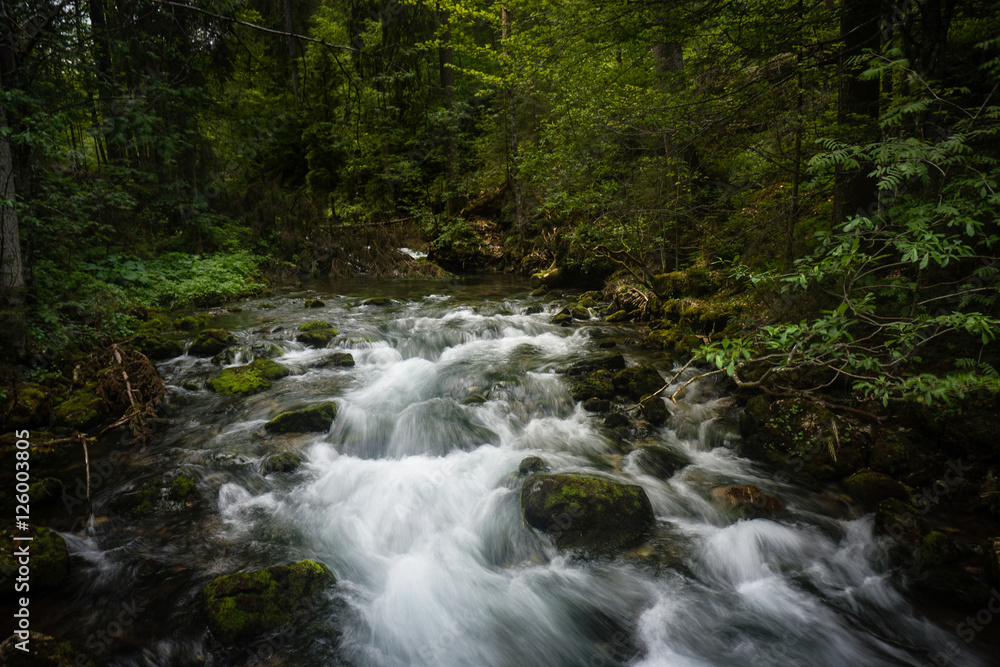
x,y
797,199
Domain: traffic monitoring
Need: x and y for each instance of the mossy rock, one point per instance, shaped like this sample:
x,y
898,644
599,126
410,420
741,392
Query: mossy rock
x,y
805,438
871,488
664,339
687,344
638,381
314,303
378,301
250,379
256,350
655,410
587,301
155,322
579,313
607,362
599,384
747,502
29,406
955,586
83,409
45,490
246,606
617,420
44,651
936,549
900,520
617,316
316,333
338,360
540,291
49,558
316,325
658,462
191,322
156,347
282,462
549,278
210,342
583,511
315,418
562,318
166,493
597,405
755,414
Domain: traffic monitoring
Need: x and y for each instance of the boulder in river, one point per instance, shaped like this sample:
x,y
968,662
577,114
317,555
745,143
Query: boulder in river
x,y
245,606
316,333
315,418
586,511
210,342
531,464
250,379
605,362
315,303
281,462
155,346
337,359
596,385
871,488
654,410
638,381
658,461
747,501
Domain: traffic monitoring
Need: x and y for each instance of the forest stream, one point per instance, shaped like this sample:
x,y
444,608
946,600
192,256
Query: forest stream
x,y
412,500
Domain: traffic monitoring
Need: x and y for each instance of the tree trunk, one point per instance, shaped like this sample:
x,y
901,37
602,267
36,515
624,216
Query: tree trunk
x,y
447,76
668,57
855,192
13,332
513,148
292,61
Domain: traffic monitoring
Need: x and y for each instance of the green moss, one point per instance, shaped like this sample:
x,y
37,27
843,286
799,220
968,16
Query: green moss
x,y
540,291
936,549
250,379
243,606
314,303
155,322
83,409
210,342
617,316
191,322
638,381
549,278
156,347
28,406
49,558
599,384
315,325
377,301
562,318
530,465
315,418
900,520
45,490
45,651
580,313
182,488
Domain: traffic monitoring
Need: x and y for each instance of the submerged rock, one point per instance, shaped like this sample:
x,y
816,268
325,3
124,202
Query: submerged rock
x,y
658,461
315,418
245,606
282,462
747,501
49,559
210,342
377,301
583,511
531,464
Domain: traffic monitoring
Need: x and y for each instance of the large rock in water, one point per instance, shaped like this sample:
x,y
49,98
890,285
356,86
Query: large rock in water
x,y
315,418
250,379
244,606
583,511
210,342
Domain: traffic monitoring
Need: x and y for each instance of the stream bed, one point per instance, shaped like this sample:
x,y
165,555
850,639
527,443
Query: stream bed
x,y
412,500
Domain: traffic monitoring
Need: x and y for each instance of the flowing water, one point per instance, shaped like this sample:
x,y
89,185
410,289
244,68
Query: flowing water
x,y
412,500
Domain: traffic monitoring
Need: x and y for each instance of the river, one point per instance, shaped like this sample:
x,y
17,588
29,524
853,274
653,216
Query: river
x,y
412,500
